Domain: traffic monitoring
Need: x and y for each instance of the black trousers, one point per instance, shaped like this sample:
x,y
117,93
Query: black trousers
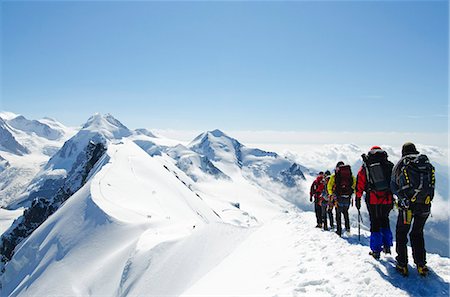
x,y
379,216
420,213
343,204
318,210
327,211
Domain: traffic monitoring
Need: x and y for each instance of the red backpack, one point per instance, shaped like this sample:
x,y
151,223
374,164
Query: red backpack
x,y
320,184
344,180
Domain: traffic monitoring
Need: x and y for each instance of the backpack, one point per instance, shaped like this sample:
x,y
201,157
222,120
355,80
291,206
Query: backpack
x,y
378,170
325,191
416,179
320,184
344,180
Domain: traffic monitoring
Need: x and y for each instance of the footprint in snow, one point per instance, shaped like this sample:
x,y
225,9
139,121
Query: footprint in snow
x,y
315,282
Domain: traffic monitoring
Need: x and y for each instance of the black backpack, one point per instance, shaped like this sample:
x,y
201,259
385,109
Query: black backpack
x,y
378,170
416,179
344,180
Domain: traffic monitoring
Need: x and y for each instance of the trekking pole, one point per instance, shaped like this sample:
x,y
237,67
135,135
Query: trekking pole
x,y
359,225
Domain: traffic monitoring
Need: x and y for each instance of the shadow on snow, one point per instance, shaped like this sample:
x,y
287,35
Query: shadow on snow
x,y
414,284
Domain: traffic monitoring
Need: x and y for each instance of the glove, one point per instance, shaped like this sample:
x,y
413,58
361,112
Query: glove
x,y
310,198
358,203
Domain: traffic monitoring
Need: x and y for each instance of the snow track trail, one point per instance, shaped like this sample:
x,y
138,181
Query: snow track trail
x,y
289,257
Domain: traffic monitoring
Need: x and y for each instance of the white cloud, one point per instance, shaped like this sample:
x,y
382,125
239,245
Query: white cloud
x,y
395,139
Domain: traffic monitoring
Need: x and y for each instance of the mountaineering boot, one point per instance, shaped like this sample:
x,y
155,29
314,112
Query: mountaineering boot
x,y
423,270
319,226
376,255
325,228
402,269
387,249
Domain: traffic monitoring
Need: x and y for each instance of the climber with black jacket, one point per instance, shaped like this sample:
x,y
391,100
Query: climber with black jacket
x,y
413,182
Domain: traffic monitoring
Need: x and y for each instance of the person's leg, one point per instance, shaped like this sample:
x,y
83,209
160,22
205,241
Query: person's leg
x,y
385,227
417,241
346,218
324,215
316,210
330,214
376,238
319,209
338,220
401,237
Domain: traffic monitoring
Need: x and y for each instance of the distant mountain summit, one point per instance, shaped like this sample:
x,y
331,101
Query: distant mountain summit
x,y
217,146
35,126
98,129
224,151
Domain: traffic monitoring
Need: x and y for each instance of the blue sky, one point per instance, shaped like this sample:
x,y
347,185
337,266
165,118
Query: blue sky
x,y
288,66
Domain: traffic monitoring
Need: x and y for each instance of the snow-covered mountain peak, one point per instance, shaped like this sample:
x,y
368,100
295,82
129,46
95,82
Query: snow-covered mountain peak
x,y
98,129
218,133
107,125
217,146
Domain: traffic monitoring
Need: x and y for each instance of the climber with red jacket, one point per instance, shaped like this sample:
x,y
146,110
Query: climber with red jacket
x,y
316,190
374,178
